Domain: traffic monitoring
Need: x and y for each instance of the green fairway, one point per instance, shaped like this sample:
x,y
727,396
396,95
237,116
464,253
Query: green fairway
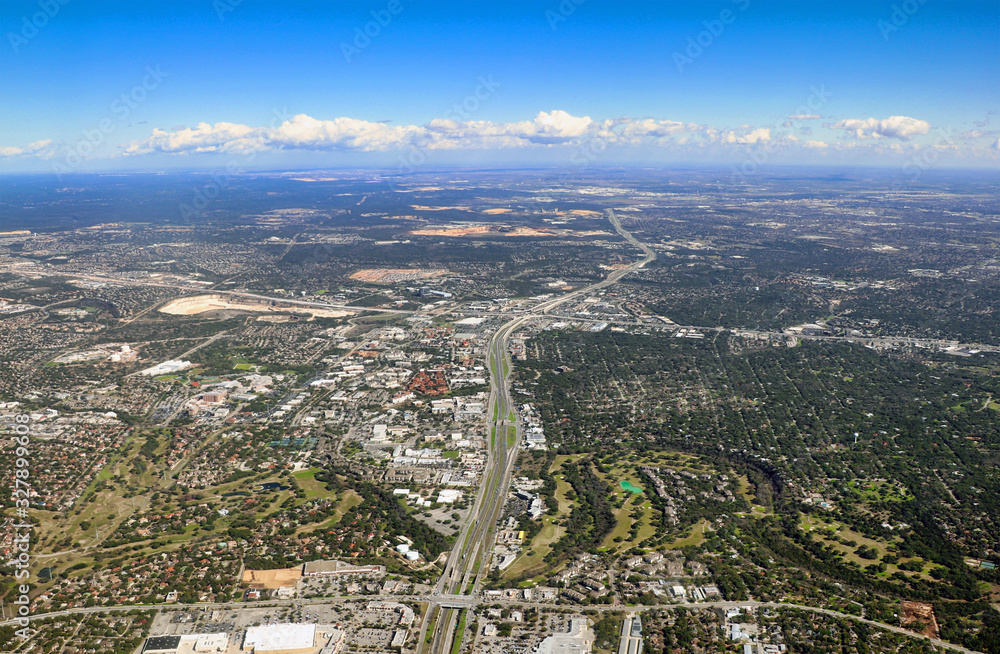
x,y
306,479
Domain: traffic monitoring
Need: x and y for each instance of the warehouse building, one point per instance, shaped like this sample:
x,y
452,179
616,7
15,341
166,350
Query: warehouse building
x,y
280,639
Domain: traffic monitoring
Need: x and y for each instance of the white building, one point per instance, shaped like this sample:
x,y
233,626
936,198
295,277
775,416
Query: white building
x,y
282,638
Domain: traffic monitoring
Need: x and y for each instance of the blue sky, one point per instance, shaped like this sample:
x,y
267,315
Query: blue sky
x,y
277,84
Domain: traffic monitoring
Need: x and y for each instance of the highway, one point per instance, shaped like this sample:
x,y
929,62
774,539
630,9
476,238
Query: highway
x,y
468,562
216,291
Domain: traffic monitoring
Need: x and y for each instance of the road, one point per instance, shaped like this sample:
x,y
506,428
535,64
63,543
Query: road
x,y
215,291
468,562
471,602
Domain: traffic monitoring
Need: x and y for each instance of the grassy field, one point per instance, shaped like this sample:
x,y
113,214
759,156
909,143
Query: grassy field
x,y
627,470
622,527
646,529
746,494
827,532
697,537
350,500
306,479
533,555
623,514
745,490
877,491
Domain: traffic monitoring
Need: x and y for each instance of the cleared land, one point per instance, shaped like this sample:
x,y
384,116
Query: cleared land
x,y
477,230
190,306
387,275
272,578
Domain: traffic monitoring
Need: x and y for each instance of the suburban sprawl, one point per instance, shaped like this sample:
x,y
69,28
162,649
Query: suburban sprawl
x,y
504,413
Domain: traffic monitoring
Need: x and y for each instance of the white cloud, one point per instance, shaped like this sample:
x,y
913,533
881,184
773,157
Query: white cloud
x,y
547,129
895,127
556,127
306,133
759,135
221,137
40,149
648,127
804,117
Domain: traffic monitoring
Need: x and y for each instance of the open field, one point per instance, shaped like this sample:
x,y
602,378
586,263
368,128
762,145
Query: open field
x,y
306,479
624,526
350,500
823,529
623,515
389,275
479,230
697,537
272,578
191,306
533,557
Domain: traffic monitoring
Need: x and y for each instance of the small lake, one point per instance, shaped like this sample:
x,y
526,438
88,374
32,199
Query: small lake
x,y
630,487
269,486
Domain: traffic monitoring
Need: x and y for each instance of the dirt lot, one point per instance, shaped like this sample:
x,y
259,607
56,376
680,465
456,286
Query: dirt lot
x,y
918,612
395,274
477,230
272,578
189,306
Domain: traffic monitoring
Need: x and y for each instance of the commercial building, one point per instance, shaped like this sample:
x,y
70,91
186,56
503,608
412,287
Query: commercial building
x,y
186,644
282,638
631,642
339,568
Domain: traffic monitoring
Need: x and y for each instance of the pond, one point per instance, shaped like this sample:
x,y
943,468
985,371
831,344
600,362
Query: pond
x,y
269,486
630,487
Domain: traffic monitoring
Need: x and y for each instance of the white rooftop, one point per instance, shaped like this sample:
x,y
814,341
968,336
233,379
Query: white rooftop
x,y
280,637
579,640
